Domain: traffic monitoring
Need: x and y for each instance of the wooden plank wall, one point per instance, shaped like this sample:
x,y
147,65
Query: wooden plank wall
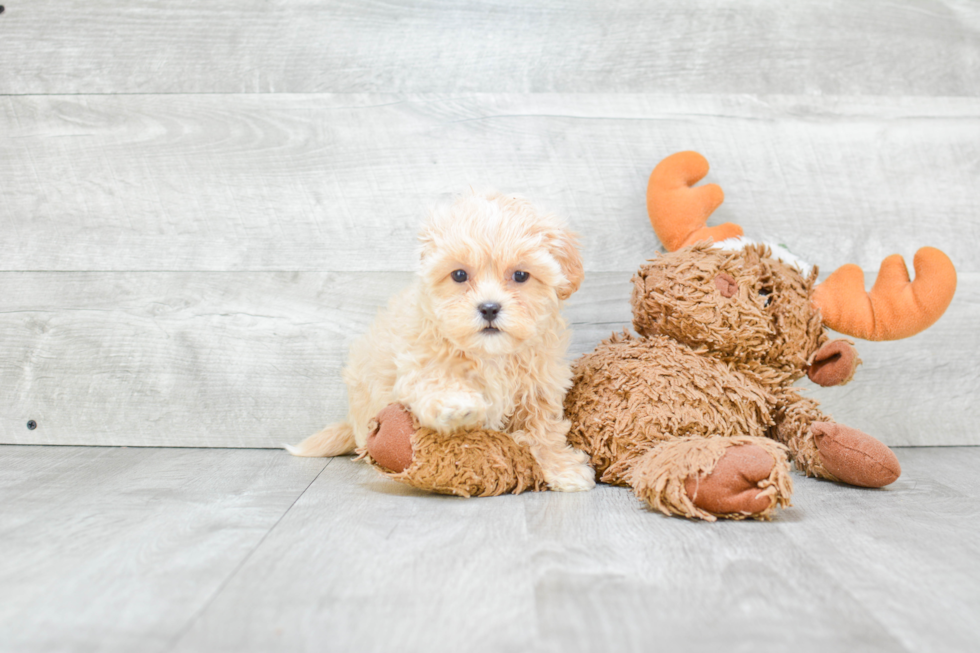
x,y
202,203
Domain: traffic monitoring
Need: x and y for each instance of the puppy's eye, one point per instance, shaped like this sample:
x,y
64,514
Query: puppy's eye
x,y
521,276
459,276
767,294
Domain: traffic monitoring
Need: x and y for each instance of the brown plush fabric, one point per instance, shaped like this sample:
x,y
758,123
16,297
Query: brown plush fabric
x,y
793,418
733,485
723,337
834,363
855,457
660,477
390,441
632,393
476,463
769,323
705,364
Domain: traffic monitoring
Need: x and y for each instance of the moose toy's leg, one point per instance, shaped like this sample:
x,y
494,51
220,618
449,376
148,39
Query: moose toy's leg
x,y
466,463
822,448
707,478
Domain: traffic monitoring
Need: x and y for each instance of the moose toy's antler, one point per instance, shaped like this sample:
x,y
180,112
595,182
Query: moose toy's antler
x,y
896,307
679,212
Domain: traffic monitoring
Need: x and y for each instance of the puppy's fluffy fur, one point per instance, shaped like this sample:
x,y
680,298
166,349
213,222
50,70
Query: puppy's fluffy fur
x,y
434,351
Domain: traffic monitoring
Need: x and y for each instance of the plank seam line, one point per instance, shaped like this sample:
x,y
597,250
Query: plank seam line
x,y
258,93
207,604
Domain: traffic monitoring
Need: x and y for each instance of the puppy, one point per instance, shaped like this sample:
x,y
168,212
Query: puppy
x,y
478,340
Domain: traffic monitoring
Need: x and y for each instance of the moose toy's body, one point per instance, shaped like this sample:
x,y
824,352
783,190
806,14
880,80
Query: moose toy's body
x,y
698,412
722,337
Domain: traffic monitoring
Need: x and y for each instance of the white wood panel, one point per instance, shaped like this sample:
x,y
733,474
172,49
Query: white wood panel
x,y
207,359
253,359
337,182
105,549
708,46
199,359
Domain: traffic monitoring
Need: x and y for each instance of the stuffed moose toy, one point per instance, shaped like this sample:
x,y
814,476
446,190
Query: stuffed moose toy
x,y
698,413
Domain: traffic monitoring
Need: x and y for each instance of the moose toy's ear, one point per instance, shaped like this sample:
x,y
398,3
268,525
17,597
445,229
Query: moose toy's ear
x,y
833,363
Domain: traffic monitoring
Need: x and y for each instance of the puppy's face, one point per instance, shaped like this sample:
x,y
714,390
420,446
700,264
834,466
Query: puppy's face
x,y
494,271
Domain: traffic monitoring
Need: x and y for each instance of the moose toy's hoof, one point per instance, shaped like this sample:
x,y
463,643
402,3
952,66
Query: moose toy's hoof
x,y
390,441
855,457
732,487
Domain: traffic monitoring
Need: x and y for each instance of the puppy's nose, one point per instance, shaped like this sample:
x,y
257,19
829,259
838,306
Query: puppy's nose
x,y
489,310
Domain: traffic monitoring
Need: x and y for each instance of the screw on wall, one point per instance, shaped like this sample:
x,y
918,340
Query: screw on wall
x,y
31,425
1,9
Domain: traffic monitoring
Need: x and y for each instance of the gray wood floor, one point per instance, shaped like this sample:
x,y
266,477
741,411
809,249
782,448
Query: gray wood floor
x,y
144,549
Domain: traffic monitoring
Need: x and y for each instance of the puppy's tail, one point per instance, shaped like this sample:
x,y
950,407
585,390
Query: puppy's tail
x,y
335,440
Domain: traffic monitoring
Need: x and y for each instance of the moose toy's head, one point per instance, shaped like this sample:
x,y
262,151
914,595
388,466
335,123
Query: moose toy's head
x,y
715,291
743,304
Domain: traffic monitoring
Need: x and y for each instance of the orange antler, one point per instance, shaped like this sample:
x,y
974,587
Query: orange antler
x,y
896,307
679,212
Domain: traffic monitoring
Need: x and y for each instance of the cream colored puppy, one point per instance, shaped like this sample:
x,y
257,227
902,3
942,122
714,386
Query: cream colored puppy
x,y
478,340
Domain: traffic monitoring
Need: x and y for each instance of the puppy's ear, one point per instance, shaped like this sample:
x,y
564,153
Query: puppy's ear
x,y
564,247
426,243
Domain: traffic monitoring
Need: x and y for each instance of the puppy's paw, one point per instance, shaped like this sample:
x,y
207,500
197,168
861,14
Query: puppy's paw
x,y
454,411
462,410
570,472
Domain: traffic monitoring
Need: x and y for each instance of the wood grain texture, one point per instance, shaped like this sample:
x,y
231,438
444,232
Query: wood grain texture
x,y
200,359
897,556
384,567
610,575
107,549
253,359
341,182
363,564
709,46
194,550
